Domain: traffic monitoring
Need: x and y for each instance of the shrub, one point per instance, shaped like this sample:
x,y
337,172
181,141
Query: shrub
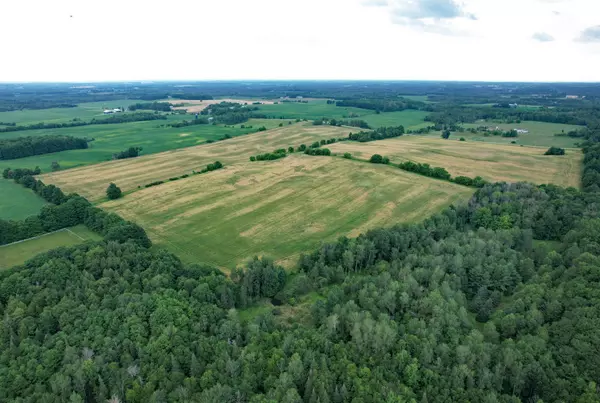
x,y
555,151
348,156
113,191
462,139
376,159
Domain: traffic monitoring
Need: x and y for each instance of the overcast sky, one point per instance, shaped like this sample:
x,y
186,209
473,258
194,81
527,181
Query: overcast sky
x,y
500,40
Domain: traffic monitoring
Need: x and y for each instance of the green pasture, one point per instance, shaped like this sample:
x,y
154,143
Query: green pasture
x,y
18,202
540,134
314,109
19,252
152,136
84,111
409,119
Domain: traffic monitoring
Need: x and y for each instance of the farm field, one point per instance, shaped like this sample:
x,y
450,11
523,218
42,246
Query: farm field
x,y
314,109
540,134
83,111
493,162
18,202
19,252
410,119
128,174
193,106
280,208
109,139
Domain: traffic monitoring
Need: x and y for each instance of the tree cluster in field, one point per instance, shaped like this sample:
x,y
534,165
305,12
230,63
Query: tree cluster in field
x,y
318,151
463,306
8,124
21,147
197,121
131,152
380,133
114,119
113,192
210,167
231,113
67,211
310,150
555,151
341,122
382,105
24,176
154,106
275,155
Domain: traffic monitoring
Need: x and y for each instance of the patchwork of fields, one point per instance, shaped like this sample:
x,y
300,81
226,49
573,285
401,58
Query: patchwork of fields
x,y
280,208
128,174
493,162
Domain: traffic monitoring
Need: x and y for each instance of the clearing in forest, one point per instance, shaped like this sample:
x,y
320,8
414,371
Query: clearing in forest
x,y
21,251
493,162
195,106
128,174
280,208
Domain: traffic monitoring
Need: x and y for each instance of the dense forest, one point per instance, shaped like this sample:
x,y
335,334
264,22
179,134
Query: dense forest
x,y
21,147
154,106
380,133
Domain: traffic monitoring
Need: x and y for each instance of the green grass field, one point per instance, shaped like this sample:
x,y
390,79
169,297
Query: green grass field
x,y
17,202
540,134
18,253
84,111
110,139
314,109
410,119
280,208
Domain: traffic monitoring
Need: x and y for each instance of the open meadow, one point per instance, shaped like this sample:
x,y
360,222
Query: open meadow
x,y
493,162
280,208
152,136
312,109
19,252
18,202
128,174
410,119
540,134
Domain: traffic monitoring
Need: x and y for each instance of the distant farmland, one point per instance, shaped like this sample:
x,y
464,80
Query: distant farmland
x,y
493,162
280,208
91,181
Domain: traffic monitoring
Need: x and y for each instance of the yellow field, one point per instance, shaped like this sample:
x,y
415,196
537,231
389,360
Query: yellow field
x,y
493,162
280,208
92,181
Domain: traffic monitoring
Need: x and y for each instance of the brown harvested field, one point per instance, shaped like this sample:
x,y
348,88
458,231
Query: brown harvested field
x,y
493,162
91,181
193,106
280,208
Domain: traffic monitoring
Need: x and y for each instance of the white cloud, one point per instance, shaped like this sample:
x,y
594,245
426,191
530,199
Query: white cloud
x,y
543,37
591,34
297,39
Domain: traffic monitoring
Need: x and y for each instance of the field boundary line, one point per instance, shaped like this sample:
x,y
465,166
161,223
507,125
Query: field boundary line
x,y
78,236
37,237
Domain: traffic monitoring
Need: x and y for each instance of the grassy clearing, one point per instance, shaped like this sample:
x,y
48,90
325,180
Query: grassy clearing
x,y
280,208
91,181
409,119
17,202
314,109
540,134
18,253
494,162
110,139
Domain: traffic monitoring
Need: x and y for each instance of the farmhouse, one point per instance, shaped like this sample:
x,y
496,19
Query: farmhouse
x,y
522,131
109,111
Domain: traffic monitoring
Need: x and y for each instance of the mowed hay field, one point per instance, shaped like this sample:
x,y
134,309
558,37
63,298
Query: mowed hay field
x,y
493,162
128,174
280,208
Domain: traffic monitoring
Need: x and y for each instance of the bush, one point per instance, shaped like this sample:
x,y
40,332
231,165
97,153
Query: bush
x,y
113,191
376,159
555,151
348,156
462,139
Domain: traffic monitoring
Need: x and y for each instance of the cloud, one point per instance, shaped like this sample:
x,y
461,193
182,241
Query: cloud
x,y
375,3
543,37
437,9
591,34
433,16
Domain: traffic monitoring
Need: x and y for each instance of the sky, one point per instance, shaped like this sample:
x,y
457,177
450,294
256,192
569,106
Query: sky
x,y
471,40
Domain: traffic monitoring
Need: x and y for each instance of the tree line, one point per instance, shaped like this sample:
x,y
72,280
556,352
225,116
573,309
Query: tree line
x,y
154,106
382,104
21,147
131,152
380,133
342,122
210,167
